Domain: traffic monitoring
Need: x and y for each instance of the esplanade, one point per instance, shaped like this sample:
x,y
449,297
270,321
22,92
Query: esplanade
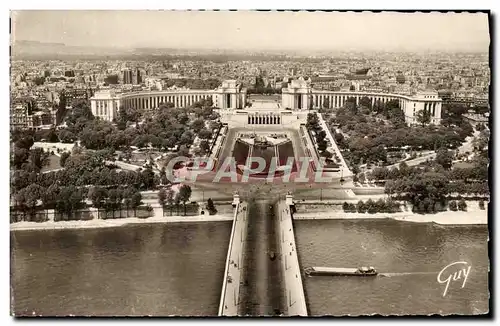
x,y
298,96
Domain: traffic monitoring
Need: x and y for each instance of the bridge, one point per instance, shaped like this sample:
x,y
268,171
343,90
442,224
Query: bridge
x,y
262,274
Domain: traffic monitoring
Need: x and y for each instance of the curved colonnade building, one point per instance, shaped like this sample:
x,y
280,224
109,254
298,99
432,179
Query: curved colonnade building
x,y
298,96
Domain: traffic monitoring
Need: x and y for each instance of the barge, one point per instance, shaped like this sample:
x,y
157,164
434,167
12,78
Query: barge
x,y
334,271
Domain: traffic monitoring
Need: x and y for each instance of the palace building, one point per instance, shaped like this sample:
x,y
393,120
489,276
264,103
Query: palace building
x,y
231,97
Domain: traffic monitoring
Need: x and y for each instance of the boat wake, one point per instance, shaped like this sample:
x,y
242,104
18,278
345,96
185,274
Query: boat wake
x,y
405,273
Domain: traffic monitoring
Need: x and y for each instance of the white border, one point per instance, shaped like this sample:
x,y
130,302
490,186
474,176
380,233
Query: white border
x,y
185,4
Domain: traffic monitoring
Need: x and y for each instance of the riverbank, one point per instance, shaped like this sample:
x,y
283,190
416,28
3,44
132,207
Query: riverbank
x,y
475,217
96,223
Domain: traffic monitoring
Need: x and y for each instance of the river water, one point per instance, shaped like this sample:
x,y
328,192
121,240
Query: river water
x,y
168,269
410,255
177,269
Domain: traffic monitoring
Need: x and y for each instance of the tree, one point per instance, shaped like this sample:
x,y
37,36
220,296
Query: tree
x,y
390,188
205,134
352,208
345,206
20,157
25,142
198,125
115,197
371,206
431,185
127,197
444,157
204,146
162,196
211,207
183,151
322,145
365,102
361,208
403,169
97,195
20,198
184,195
326,154
38,158
462,205
313,122
177,201
63,158
481,204
186,138
136,201
49,196
214,125
148,179
131,114
169,198
453,205
381,206
424,117
69,199
33,193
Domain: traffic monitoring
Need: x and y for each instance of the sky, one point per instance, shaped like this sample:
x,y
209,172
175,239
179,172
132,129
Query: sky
x,y
251,30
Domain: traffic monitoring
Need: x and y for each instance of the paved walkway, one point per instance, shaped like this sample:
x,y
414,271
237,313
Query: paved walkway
x,y
230,295
345,168
294,290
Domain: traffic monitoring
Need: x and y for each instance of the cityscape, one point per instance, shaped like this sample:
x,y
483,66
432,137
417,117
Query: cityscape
x,y
226,170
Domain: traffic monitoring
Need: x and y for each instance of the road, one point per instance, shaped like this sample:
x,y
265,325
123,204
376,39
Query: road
x,y
261,293
468,146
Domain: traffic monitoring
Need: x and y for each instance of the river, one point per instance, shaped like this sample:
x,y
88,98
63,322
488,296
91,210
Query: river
x,y
410,255
177,269
168,269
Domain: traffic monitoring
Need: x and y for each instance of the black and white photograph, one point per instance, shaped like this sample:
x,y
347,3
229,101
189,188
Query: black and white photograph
x,y
248,163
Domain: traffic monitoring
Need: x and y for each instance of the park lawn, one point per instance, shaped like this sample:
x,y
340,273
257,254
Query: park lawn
x,y
463,165
52,163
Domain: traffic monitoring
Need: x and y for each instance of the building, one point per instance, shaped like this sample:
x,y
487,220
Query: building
x,y
127,76
105,104
137,77
132,77
41,120
19,116
299,95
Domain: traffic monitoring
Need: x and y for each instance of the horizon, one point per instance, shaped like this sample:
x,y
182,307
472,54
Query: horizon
x,y
254,31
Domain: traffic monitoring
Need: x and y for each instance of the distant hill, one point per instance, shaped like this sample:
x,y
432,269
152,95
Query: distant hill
x,y
41,50
32,50
36,43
